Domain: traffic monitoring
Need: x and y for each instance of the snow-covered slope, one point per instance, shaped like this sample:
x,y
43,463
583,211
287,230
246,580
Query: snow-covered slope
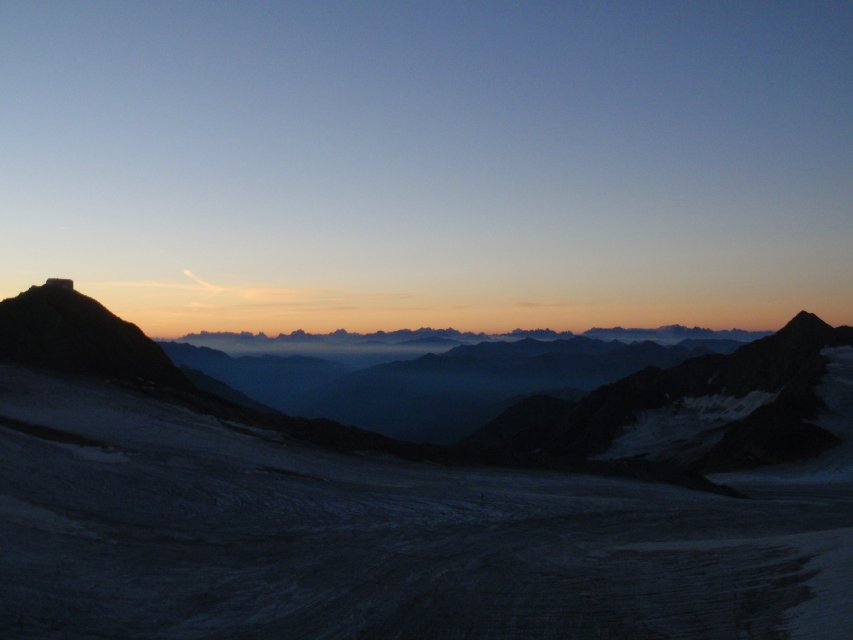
x,y
685,430
836,391
834,465
126,517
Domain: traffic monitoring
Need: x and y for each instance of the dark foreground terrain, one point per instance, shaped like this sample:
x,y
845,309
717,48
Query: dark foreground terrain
x,y
125,517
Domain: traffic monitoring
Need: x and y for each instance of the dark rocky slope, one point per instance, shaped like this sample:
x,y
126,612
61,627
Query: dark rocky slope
x,y
58,328
787,363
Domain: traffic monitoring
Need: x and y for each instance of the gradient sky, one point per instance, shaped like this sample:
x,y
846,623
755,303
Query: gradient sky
x,y
484,165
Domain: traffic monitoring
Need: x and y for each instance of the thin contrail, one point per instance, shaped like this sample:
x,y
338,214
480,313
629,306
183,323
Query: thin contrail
x,y
203,283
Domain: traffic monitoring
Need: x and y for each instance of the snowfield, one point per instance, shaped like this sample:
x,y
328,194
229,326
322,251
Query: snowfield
x,y
146,520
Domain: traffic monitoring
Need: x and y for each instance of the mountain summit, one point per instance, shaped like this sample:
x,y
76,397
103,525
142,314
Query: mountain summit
x,y
56,327
807,329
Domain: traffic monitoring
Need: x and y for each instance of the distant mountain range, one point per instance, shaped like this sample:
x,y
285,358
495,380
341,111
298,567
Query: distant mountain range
x,y
757,406
366,349
675,333
342,336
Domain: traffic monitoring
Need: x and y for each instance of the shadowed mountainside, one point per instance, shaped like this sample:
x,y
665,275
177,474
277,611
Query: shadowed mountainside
x,y
218,388
785,367
277,381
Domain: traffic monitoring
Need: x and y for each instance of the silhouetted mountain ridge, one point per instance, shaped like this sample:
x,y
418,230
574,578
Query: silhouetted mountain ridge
x,y
340,336
673,333
442,338
59,328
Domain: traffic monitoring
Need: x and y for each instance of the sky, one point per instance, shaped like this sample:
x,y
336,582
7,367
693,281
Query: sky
x,y
270,166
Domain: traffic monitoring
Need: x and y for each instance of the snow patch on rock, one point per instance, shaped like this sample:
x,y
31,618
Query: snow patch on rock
x,y
836,464
724,408
685,429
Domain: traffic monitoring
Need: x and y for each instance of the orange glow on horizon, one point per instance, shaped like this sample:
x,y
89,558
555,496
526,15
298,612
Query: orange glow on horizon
x,y
493,320
173,309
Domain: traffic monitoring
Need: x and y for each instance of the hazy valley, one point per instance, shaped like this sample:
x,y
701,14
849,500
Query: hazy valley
x,y
440,390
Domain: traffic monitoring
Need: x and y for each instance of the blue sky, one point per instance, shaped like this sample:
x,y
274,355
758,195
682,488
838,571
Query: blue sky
x,y
481,165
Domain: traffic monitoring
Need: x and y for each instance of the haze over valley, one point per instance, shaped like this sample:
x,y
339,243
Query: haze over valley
x,y
431,385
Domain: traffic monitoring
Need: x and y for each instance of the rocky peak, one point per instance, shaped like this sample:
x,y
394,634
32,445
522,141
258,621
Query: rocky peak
x,y
56,327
